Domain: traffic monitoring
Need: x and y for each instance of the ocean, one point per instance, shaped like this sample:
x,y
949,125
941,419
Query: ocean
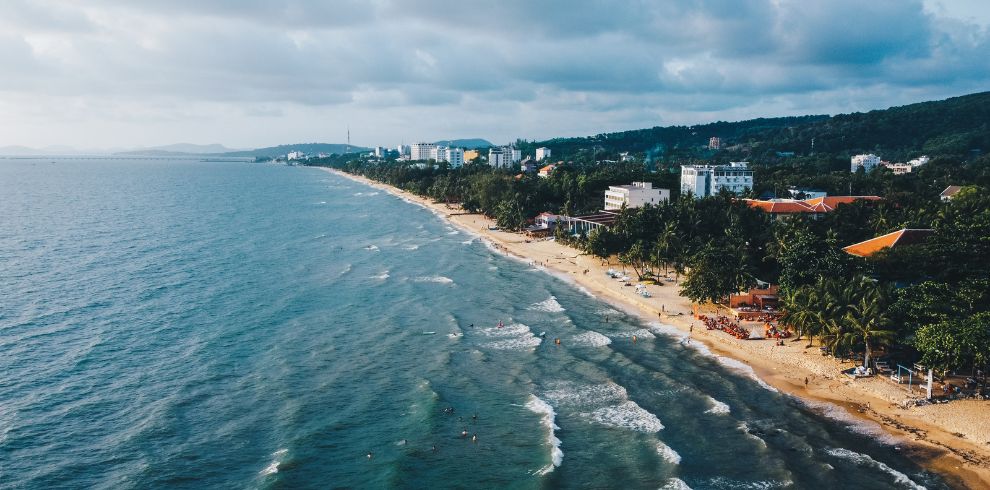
x,y
241,325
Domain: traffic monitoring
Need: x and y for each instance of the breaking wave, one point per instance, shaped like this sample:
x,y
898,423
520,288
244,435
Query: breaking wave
x,y
864,460
536,405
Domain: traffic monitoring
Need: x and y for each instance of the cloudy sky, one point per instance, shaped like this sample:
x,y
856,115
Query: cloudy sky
x,y
250,73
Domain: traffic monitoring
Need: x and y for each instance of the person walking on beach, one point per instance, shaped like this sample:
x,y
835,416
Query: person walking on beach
x,y
805,381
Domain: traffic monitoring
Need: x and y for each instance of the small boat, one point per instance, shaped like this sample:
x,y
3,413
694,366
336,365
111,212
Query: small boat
x,y
429,333
543,334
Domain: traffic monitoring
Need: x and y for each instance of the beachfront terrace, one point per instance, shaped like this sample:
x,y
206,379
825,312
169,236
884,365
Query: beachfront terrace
x,y
584,224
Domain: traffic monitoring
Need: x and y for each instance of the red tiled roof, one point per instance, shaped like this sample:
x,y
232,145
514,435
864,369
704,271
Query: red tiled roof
x,y
899,238
950,191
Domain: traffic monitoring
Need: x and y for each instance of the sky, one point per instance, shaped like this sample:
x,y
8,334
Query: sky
x,y
254,73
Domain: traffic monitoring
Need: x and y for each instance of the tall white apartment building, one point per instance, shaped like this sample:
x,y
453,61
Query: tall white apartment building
x,y
497,157
706,180
455,156
440,153
514,154
404,150
868,162
542,153
634,195
423,151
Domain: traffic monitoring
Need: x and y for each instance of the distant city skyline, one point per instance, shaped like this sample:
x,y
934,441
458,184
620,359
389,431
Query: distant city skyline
x,y
254,73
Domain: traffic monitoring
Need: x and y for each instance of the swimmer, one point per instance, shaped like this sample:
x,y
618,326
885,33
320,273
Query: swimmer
x,y
474,417
434,448
474,438
369,455
634,339
464,433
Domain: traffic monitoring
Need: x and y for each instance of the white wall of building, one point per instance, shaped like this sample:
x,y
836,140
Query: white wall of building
x,y
455,156
542,153
423,151
634,195
867,161
497,158
706,180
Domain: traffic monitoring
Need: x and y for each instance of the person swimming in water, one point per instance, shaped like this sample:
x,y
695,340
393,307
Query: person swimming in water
x,y
474,438
464,433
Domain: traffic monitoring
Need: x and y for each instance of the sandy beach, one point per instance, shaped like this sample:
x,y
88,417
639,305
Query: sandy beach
x,y
952,439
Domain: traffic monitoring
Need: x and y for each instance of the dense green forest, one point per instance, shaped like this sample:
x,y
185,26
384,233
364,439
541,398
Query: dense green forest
x,y
929,301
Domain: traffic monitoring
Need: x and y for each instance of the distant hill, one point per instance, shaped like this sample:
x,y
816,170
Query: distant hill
x,y
953,126
469,143
307,148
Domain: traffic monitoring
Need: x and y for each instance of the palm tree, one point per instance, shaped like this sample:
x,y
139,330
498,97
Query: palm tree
x,y
867,322
801,309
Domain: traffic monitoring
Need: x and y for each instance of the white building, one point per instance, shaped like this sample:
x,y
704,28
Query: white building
x,y
805,193
542,153
634,195
455,156
899,168
295,155
714,143
867,162
917,162
707,180
497,158
423,151
440,153
404,150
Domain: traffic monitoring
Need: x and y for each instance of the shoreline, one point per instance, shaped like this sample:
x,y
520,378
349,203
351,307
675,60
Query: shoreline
x,y
952,440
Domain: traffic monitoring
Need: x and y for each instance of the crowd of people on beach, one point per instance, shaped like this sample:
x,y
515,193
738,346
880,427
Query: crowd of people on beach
x,y
726,325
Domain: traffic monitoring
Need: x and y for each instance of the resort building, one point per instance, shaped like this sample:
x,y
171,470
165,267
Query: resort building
x,y
440,153
949,193
714,143
547,170
471,155
815,207
899,238
528,165
899,168
542,153
295,155
423,151
584,224
455,156
634,195
707,180
543,225
497,158
866,162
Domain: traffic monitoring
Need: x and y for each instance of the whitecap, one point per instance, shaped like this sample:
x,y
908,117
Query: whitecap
x,y
516,336
549,305
723,482
539,406
322,202
276,461
744,368
468,241
373,248
668,330
585,291
383,276
627,415
717,407
744,427
410,247
640,334
591,338
668,454
521,343
865,460
436,279
567,393
675,484
453,232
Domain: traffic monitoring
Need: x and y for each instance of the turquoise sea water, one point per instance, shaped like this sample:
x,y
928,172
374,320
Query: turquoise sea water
x,y
231,325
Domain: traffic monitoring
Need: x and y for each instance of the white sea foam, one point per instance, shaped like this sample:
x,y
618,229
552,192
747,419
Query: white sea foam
x,y
641,334
436,279
276,461
585,291
627,415
453,232
516,336
717,407
744,428
373,248
591,338
358,193
322,202
865,427
383,276
410,247
675,484
723,482
745,369
668,454
468,241
543,408
550,305
668,330
865,460
568,393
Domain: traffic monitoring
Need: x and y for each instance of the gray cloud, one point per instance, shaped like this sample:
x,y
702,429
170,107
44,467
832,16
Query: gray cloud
x,y
433,69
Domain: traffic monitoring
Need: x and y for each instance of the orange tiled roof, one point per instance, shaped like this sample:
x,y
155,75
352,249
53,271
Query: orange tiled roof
x,y
815,205
899,238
